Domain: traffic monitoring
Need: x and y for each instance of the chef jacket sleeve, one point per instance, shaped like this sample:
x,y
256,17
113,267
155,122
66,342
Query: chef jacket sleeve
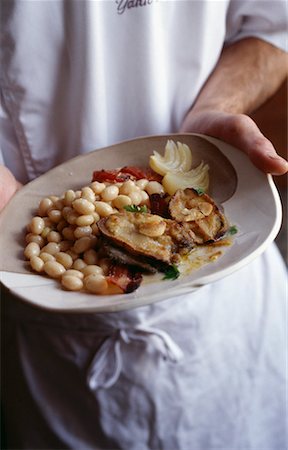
x,y
263,19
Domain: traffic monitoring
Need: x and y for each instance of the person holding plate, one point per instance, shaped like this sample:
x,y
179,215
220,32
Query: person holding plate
x,y
200,371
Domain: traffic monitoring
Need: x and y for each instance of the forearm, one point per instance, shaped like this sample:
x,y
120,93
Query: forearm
x,y
247,74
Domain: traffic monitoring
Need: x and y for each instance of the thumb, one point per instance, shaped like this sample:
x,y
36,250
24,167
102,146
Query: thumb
x,y
242,132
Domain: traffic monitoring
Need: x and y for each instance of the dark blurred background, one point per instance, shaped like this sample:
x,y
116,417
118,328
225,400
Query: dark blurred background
x,y
272,119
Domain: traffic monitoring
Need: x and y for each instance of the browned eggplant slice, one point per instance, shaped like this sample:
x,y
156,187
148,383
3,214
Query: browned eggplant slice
x,y
148,235
121,256
200,213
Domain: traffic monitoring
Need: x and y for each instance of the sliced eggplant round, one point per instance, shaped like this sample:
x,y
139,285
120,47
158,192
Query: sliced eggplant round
x,y
200,213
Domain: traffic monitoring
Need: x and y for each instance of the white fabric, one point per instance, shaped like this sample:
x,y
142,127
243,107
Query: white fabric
x,y
80,75
106,366
226,392
203,371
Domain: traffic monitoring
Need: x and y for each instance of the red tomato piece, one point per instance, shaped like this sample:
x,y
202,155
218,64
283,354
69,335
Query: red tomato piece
x,y
124,277
138,173
126,173
104,175
134,171
111,176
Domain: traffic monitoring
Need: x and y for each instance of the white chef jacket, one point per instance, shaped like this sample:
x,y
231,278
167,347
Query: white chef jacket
x,y
80,75
202,371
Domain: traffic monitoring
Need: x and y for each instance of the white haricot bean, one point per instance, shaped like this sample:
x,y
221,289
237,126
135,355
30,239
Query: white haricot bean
x,y
110,193
46,257
121,201
95,229
54,236
54,269
92,268
37,225
69,197
83,206
68,233
44,205
154,227
88,194
32,249
54,198
59,204
82,244
65,245
45,232
64,259
51,247
66,211
71,217
55,215
79,264
73,254
90,256
103,209
128,187
97,187
105,264
72,283
84,220
30,237
136,197
153,187
37,263
48,222
73,273
62,224
96,283
144,198
82,231
142,183
96,216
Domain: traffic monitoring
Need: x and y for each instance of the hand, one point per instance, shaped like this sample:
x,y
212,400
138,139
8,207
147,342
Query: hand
x,y
8,186
240,131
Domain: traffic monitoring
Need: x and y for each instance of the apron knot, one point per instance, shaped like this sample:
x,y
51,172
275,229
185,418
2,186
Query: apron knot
x,y
106,365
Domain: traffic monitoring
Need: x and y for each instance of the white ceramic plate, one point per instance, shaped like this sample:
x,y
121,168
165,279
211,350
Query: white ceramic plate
x,y
249,198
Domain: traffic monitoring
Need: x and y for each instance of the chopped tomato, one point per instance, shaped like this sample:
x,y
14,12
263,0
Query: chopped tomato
x,y
138,173
111,176
126,173
124,277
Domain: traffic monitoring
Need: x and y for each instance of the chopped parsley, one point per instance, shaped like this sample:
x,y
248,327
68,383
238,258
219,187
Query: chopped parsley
x,y
232,230
199,191
135,209
171,273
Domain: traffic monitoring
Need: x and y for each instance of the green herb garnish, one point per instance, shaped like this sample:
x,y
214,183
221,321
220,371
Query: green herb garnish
x,y
171,273
232,230
199,191
134,208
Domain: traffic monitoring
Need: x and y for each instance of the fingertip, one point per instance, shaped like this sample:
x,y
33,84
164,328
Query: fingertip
x,y
279,166
270,163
